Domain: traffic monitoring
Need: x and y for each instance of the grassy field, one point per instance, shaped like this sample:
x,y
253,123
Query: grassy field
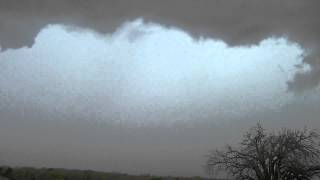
x,y
27,173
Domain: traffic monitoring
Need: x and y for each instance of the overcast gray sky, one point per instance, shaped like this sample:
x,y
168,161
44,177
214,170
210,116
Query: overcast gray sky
x,y
151,87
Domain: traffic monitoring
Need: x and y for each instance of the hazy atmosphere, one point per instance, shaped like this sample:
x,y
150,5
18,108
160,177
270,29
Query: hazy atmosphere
x,y
150,87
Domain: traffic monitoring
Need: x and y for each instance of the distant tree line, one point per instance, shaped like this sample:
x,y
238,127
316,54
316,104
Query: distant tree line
x,y
26,173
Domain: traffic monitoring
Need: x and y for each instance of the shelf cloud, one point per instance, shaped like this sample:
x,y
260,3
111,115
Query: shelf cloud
x,y
236,22
142,86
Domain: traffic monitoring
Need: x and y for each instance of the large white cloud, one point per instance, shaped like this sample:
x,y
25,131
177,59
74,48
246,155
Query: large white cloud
x,y
159,70
237,22
59,98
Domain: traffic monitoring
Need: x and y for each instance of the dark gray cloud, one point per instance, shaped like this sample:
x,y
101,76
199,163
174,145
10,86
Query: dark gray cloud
x,y
29,140
237,22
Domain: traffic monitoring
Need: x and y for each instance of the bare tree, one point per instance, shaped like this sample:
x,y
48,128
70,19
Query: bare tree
x,y
286,155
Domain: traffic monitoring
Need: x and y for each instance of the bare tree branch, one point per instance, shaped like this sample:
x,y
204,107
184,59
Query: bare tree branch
x,y
288,154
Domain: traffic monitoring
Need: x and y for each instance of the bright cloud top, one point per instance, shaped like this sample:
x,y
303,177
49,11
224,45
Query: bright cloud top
x,y
146,69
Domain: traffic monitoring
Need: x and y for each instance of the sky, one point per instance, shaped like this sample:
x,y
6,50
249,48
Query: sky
x,y
145,91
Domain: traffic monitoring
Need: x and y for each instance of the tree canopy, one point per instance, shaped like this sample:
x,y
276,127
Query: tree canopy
x,y
284,155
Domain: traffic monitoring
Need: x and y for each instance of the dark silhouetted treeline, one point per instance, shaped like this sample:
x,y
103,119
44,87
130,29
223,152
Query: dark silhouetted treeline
x,y
27,173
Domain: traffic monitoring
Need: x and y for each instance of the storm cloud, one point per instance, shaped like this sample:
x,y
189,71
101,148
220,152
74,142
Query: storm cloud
x,y
237,22
141,86
144,99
